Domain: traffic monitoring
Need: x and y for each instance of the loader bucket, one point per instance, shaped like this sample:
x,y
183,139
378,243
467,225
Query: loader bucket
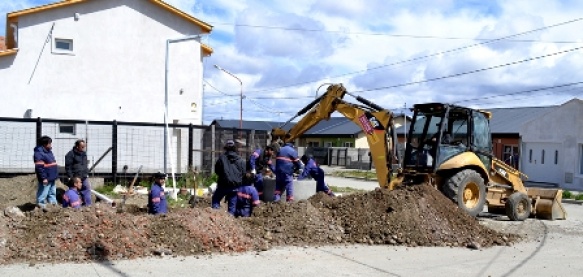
x,y
547,203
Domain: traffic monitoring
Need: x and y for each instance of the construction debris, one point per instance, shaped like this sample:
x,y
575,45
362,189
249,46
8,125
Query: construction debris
x,y
409,216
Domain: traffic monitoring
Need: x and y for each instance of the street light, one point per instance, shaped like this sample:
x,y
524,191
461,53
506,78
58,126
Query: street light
x,y
168,41
241,100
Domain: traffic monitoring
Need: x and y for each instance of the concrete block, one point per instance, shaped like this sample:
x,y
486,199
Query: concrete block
x,y
303,189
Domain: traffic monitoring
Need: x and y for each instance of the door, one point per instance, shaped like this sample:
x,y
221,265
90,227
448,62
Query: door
x,y
541,162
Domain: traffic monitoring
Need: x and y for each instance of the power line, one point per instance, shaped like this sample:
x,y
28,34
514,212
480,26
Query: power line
x,y
470,72
426,56
218,90
381,34
519,92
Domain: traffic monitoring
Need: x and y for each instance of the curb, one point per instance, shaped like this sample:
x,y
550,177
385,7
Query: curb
x,y
572,201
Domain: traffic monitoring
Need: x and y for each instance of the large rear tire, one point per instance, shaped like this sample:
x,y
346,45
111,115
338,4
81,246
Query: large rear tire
x,y
518,207
466,188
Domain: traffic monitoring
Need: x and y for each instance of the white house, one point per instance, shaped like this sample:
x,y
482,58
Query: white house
x,y
103,60
552,146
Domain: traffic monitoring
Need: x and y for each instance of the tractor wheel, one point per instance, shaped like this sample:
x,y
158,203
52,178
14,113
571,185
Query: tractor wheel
x,y
518,206
466,188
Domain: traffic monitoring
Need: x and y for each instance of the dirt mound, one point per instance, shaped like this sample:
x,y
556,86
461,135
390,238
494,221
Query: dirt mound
x,y
410,216
99,233
17,191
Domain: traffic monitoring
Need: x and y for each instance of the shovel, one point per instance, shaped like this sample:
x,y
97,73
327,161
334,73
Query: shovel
x,y
129,192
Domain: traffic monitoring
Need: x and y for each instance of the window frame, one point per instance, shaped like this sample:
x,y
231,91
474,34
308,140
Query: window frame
x,y
63,51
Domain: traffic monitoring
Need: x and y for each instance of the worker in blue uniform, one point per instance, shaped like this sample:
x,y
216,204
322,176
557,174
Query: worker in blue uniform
x,y
313,170
247,197
259,162
157,199
71,198
286,163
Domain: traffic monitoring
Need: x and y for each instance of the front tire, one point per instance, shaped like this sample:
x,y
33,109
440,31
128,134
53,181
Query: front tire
x,y
518,207
466,188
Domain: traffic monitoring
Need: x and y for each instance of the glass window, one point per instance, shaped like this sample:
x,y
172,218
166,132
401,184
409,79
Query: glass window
x,y
67,129
556,156
348,144
542,157
482,137
530,156
64,44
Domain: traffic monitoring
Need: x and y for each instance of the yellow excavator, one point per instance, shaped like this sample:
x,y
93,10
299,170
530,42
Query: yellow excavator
x,y
448,147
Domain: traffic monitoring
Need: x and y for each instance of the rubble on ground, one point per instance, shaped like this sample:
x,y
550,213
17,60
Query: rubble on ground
x,y
408,216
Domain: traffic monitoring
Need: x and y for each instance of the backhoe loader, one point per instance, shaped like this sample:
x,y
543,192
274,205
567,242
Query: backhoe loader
x,y
448,147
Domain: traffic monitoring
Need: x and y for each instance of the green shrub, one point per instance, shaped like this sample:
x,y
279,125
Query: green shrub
x,y
567,194
579,197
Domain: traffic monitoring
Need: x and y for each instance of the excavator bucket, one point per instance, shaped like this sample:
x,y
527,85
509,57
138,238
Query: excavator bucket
x,y
547,203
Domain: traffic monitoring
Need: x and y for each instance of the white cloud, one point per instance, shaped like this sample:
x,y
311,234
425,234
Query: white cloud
x,y
250,40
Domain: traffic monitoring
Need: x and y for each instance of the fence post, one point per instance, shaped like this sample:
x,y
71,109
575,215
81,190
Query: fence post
x,y
213,144
39,128
346,157
114,151
190,146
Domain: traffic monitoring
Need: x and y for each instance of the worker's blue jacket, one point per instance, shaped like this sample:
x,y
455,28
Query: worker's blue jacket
x,y
157,200
247,198
71,199
258,161
287,161
45,164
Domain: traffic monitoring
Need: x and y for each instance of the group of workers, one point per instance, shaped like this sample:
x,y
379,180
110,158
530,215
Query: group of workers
x,y
240,182
275,159
46,169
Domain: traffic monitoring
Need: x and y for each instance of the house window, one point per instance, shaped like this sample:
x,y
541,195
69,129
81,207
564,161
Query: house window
x,y
67,129
556,156
530,155
347,144
328,144
542,158
313,144
64,44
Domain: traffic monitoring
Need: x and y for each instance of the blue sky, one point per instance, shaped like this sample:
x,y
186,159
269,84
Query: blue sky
x,y
476,53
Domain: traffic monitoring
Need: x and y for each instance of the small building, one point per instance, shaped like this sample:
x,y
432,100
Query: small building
x,y
103,60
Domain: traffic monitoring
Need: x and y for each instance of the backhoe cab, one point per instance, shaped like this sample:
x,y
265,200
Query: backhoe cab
x,y
450,147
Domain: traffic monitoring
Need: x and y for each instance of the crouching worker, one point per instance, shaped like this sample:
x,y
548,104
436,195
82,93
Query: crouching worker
x,y
71,197
157,199
247,197
313,170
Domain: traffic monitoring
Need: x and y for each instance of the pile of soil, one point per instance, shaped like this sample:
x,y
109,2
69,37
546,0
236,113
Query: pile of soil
x,y
409,216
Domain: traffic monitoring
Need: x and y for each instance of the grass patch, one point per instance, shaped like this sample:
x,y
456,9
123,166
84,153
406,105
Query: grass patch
x,y
346,190
180,202
579,197
106,189
368,175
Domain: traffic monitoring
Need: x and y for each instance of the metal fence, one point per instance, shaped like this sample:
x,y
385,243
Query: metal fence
x,y
115,148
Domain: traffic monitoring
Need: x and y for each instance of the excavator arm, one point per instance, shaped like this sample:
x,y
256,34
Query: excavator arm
x,y
375,121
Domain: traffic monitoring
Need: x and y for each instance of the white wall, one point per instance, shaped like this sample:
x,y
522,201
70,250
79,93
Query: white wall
x,y
562,126
116,70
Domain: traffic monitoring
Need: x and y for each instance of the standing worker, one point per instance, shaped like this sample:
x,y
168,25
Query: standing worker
x,y
229,168
157,199
312,169
76,166
71,197
259,162
47,172
247,197
286,163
